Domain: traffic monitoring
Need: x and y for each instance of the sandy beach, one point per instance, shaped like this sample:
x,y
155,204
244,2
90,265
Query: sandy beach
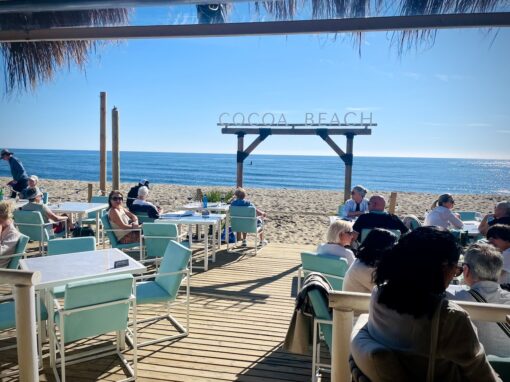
x,y
294,216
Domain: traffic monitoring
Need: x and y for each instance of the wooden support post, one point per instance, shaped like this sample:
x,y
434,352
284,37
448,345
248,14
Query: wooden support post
x,y
240,159
102,143
393,203
115,150
89,192
348,167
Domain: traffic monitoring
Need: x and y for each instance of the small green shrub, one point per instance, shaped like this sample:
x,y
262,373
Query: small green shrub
x,y
214,196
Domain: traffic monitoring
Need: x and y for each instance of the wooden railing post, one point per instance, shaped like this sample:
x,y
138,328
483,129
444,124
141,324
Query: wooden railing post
x,y
89,191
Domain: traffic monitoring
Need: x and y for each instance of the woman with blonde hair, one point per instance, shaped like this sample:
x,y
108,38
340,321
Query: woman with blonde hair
x,y
9,235
339,236
442,215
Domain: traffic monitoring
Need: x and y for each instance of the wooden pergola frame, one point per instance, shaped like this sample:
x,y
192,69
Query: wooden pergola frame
x,y
322,130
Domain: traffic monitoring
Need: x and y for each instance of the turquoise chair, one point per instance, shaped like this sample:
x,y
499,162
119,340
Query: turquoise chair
x,y
244,219
18,252
331,267
31,224
143,217
45,197
322,328
70,245
469,215
103,304
91,216
366,231
164,288
501,365
156,237
113,239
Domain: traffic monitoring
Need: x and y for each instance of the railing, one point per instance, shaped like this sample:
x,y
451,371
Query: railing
x,y
346,304
24,297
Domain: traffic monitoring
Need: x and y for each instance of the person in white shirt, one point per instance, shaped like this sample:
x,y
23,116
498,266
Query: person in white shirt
x,y
141,200
499,236
340,235
442,215
481,269
9,235
357,205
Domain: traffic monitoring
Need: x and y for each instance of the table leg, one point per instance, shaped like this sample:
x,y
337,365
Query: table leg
x,y
227,230
97,226
206,258
219,234
213,240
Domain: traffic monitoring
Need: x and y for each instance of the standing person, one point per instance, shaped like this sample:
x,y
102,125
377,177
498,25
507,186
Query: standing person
x,y
499,236
501,215
19,176
339,237
9,235
239,201
124,223
442,215
357,205
133,192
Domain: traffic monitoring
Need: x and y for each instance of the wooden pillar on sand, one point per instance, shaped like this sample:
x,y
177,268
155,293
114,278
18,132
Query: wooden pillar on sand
x,y
89,192
348,167
115,150
393,203
102,143
240,159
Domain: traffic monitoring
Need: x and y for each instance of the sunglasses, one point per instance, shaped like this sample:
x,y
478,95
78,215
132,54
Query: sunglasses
x,y
117,198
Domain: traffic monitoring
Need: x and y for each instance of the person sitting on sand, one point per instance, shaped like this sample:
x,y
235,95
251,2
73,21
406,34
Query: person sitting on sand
x,y
499,236
481,269
240,201
442,215
359,277
34,196
133,192
141,204
9,235
357,205
339,236
378,218
501,215
122,220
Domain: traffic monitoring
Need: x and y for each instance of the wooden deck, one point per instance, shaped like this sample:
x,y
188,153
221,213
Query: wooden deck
x,y
240,311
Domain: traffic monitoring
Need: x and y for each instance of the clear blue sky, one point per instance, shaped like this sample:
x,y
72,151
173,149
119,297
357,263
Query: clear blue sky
x,y
450,100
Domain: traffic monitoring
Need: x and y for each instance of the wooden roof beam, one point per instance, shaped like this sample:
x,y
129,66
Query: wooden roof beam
x,y
290,131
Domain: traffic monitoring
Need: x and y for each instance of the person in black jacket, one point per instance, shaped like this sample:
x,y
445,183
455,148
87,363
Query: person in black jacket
x,y
133,192
19,176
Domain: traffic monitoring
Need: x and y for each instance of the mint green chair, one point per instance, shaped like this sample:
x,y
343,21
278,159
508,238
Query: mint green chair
x,y
31,224
92,308
322,329
469,215
501,365
107,228
72,244
18,252
331,267
91,216
244,219
164,289
156,237
143,217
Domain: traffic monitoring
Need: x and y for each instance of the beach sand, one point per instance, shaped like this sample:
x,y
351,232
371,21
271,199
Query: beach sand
x,y
294,216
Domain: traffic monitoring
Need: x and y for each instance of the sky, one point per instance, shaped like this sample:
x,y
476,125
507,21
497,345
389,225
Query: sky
x,y
445,100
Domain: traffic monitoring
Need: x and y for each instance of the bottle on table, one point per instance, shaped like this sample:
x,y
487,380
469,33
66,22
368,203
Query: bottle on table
x,y
1,194
204,201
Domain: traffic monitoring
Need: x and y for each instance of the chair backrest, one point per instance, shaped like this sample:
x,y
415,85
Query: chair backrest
x,y
97,199
366,231
412,222
143,217
176,259
327,265
157,236
74,244
100,320
243,219
20,249
469,215
30,222
107,228
321,311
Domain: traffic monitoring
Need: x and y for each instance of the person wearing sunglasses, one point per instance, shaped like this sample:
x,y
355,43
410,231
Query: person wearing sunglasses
x,y
441,214
357,205
123,222
339,236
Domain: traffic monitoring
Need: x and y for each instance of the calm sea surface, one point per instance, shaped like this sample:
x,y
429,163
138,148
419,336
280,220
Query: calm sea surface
x,y
466,176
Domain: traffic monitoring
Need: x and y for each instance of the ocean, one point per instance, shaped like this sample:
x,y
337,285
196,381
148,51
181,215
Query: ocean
x,y
431,175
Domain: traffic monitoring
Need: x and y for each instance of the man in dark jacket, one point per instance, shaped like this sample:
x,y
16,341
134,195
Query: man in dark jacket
x,y
133,192
19,175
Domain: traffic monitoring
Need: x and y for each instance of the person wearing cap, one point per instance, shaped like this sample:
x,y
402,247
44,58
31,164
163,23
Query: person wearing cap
x,y
133,192
32,183
19,176
442,215
34,196
141,205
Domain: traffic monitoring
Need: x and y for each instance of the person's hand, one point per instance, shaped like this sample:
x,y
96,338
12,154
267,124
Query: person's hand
x,y
456,215
135,225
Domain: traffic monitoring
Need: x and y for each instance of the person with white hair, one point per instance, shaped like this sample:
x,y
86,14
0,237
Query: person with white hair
x,y
9,234
140,204
339,236
501,215
32,183
481,269
357,205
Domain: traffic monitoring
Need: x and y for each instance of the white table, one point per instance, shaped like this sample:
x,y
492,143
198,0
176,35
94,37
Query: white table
x,y
212,207
213,220
471,226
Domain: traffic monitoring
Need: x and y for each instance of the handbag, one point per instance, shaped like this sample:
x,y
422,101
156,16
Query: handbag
x,y
479,298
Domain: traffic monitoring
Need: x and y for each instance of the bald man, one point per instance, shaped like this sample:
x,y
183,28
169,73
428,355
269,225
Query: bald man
x,y
378,218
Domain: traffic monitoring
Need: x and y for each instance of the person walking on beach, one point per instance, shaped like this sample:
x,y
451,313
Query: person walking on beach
x,y
19,176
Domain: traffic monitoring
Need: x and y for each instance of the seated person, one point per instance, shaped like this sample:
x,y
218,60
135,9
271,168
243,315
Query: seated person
x,y
339,236
441,214
34,196
499,236
140,204
482,268
378,218
133,192
9,235
359,277
32,183
240,201
501,215
357,205
411,280
124,223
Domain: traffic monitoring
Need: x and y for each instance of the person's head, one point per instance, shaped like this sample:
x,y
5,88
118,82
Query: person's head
x,y
482,262
376,203
5,154
6,209
143,182
377,242
32,181
499,236
143,192
340,232
502,209
413,276
445,200
358,193
115,199
240,193
34,195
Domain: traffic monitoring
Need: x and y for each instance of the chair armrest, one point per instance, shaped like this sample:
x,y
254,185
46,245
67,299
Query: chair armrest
x,y
123,229
7,297
68,312
33,224
152,275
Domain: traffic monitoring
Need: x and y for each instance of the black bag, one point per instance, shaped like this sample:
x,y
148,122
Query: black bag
x,y
83,231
